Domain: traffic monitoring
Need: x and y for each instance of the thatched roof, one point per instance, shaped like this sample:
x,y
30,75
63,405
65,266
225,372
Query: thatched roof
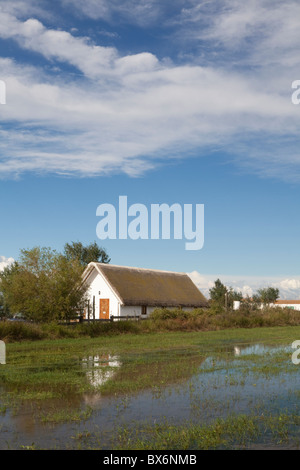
x,y
137,286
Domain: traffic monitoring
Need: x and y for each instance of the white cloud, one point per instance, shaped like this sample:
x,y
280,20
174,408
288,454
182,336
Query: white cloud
x,y
292,284
141,12
23,8
4,262
92,60
248,285
126,113
266,31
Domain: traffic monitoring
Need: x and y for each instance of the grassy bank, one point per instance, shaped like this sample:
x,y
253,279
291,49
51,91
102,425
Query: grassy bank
x,y
161,320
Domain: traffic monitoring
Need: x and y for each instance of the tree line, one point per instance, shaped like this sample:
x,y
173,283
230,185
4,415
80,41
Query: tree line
x,y
223,296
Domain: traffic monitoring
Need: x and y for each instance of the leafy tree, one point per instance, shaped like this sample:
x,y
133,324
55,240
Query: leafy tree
x,y
218,293
44,286
4,310
268,295
224,296
85,254
235,295
250,304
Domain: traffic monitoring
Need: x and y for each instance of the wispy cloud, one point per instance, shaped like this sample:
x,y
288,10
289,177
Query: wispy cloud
x,y
140,12
110,112
260,32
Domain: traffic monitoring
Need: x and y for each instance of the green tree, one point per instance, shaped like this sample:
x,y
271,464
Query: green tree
x,y
86,254
4,310
218,293
224,296
44,286
268,295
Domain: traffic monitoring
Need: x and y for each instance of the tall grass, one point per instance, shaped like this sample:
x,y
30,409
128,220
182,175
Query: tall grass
x,y
160,320
208,319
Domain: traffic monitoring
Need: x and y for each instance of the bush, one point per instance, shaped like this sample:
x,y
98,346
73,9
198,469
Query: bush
x,y
178,313
160,320
17,331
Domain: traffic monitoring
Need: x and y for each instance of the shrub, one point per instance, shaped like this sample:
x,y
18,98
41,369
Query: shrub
x,y
17,331
176,313
160,320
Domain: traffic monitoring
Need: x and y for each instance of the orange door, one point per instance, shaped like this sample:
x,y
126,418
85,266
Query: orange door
x,y
104,309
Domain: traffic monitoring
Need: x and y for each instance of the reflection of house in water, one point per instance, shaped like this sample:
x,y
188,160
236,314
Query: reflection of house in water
x,y
258,349
253,349
100,368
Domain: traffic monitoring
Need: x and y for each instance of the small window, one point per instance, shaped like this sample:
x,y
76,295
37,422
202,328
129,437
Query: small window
x,y
144,310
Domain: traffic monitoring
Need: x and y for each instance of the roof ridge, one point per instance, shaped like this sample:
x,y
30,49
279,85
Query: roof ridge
x,y
141,269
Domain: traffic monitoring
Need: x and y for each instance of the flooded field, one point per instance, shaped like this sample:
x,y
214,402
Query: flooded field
x,y
198,390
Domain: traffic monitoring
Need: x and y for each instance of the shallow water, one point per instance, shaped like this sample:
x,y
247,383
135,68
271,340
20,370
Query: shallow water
x,y
240,381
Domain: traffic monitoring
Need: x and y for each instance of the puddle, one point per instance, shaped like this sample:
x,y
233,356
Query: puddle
x,y
99,368
216,389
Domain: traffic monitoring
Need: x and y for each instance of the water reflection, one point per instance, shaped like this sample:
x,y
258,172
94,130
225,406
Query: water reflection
x,y
177,387
259,349
100,369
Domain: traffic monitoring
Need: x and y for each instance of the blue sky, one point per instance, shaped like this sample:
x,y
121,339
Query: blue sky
x,y
166,102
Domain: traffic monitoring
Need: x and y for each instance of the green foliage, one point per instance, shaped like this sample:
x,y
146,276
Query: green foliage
x,y
161,320
4,310
44,286
218,292
222,296
250,304
86,254
19,331
176,313
268,295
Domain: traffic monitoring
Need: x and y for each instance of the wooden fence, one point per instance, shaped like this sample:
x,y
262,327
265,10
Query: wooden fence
x,y
112,318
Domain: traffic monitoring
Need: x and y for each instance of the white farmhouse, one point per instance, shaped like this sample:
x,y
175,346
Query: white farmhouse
x,y
293,304
119,291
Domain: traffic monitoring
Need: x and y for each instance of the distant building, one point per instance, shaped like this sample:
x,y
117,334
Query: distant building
x,y
292,304
236,304
121,291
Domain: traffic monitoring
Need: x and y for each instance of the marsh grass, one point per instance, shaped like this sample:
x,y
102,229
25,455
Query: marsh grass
x,y
66,415
153,371
236,431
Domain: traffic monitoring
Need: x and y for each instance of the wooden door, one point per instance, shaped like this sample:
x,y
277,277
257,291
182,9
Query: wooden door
x,y
104,309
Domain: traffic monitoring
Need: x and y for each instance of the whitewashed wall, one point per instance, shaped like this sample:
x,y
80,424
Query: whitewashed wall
x,y
98,284
135,311
292,306
237,305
